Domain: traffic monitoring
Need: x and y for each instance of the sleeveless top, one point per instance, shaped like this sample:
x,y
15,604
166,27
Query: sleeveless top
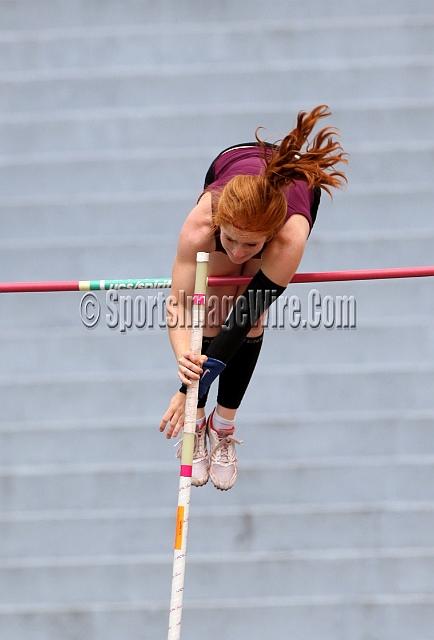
x,y
247,159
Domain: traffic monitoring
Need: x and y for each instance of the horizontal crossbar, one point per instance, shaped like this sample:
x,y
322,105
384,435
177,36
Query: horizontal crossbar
x,y
213,281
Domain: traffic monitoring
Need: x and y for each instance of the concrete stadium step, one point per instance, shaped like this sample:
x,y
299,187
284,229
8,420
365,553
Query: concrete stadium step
x,y
392,299
335,387
303,618
132,485
95,215
319,81
27,310
369,161
340,387
75,258
358,208
71,351
115,171
382,208
120,532
70,14
219,125
371,249
273,436
216,41
130,169
309,573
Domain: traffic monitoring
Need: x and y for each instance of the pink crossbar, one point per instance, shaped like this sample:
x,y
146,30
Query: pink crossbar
x,y
333,276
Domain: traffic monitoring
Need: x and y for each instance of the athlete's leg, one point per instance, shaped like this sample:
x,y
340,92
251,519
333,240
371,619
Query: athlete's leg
x,y
233,383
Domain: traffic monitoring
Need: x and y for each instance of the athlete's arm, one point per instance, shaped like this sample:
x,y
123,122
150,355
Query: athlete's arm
x,y
195,236
283,255
280,261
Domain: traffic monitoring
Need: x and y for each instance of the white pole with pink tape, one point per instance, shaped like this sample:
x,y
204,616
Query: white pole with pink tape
x,y
198,319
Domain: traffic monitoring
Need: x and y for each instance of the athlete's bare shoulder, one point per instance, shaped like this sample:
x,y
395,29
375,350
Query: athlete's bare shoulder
x,y
197,232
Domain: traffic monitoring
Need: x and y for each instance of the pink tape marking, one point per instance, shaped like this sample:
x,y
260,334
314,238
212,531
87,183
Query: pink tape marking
x,y
186,470
199,298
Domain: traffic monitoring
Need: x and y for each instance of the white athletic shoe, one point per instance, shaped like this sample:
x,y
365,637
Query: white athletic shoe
x,y
224,465
200,472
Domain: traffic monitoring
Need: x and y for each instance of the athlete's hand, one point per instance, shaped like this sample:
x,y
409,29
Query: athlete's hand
x,y
190,367
174,415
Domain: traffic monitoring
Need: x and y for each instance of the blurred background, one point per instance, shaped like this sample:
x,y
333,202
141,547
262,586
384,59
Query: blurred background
x,y
110,114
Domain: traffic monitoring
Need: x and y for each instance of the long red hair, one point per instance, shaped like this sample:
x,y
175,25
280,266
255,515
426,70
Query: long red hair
x,y
257,202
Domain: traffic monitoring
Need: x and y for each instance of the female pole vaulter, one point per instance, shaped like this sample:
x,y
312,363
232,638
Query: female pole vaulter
x,y
254,217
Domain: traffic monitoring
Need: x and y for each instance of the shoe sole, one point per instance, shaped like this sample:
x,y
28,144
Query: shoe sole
x,y
202,484
219,488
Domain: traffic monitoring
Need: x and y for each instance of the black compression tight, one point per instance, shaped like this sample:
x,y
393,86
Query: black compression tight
x,y
234,380
205,344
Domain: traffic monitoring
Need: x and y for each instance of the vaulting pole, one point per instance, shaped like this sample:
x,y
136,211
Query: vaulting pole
x,y
198,318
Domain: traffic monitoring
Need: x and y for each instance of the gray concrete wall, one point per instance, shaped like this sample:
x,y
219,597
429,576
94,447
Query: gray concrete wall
x,y
110,113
